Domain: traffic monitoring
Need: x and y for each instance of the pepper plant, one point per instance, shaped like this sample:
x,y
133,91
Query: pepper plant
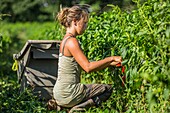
x,y
142,38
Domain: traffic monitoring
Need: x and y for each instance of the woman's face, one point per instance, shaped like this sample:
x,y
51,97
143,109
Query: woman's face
x,y
81,26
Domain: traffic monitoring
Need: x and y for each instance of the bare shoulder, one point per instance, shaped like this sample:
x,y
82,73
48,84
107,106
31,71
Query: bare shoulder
x,y
72,43
74,48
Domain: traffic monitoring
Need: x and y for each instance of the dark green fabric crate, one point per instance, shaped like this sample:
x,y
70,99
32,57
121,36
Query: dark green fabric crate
x,y
38,66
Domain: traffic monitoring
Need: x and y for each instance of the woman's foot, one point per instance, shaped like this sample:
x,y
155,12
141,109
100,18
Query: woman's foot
x,y
52,105
76,109
82,106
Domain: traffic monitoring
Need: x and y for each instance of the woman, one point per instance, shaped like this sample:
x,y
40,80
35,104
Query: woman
x,y
68,91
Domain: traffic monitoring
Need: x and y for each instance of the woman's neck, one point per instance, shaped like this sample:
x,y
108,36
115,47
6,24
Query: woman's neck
x,y
70,34
71,31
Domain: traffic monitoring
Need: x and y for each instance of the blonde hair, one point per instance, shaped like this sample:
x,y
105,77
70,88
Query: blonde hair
x,y
67,15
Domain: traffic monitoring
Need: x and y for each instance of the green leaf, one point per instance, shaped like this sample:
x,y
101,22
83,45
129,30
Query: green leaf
x,y
124,62
166,94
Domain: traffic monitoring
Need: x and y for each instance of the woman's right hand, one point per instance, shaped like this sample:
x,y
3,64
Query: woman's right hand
x,y
116,60
114,63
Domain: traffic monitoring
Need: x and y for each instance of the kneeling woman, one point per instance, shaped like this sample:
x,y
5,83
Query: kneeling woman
x,y
68,91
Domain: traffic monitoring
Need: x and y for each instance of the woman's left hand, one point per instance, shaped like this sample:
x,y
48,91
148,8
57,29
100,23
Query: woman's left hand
x,y
114,63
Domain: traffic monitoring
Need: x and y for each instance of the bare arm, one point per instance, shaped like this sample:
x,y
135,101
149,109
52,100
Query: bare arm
x,y
75,51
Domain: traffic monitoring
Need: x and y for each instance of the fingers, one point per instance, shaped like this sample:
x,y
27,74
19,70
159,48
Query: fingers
x,y
118,58
117,61
114,63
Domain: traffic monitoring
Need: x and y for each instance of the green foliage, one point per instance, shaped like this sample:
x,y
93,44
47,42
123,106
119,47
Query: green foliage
x,y
141,37
44,10
29,10
13,37
4,44
13,101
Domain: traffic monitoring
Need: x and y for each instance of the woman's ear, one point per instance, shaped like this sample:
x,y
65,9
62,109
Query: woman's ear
x,y
75,22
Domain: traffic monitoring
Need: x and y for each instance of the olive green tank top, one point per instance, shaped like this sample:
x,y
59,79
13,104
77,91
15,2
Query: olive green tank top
x,y
67,90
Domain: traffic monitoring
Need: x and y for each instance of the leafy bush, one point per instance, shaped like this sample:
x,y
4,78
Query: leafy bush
x,y
141,37
13,38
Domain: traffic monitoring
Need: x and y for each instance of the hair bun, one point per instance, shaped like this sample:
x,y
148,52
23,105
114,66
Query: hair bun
x,y
62,16
67,15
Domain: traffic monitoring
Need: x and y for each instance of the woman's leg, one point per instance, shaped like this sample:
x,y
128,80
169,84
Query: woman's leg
x,y
95,95
98,92
82,106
